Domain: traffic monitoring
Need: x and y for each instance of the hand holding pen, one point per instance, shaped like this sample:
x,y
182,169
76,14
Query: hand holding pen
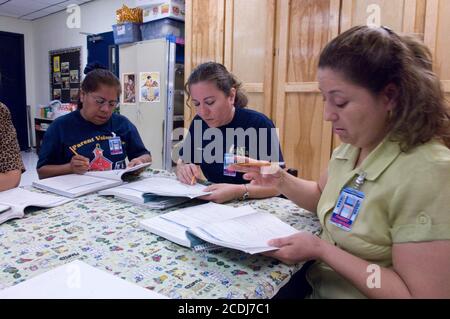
x,y
79,164
188,173
262,173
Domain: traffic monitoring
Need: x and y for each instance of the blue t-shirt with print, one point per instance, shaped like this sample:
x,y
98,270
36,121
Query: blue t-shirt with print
x,y
250,133
107,145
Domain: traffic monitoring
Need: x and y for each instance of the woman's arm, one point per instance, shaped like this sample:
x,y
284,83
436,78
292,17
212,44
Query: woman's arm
x,y
77,165
420,270
10,179
47,171
222,193
146,158
305,194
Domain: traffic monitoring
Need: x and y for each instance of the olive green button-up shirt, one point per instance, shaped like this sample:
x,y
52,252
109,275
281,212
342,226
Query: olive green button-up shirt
x,y
407,199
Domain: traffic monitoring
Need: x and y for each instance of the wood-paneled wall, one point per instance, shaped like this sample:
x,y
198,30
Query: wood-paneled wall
x,y
273,46
204,37
304,30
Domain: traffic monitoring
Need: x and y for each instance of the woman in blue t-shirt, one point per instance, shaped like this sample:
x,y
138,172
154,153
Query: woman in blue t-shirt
x,y
221,129
92,137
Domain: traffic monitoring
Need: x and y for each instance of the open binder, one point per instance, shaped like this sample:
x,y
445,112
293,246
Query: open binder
x,y
212,226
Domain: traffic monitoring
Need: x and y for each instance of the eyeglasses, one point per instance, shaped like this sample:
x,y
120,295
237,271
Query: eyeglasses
x,y
101,101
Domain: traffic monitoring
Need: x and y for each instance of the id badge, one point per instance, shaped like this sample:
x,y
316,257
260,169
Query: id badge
x,y
228,159
347,208
115,145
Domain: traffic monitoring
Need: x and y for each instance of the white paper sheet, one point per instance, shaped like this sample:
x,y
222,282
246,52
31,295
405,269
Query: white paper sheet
x,y
77,280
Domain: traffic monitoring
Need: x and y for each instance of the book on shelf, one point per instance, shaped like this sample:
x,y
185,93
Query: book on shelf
x,y
15,202
156,192
77,280
75,185
213,226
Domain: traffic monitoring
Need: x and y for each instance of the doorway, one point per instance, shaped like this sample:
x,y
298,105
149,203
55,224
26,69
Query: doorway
x,y
101,48
12,83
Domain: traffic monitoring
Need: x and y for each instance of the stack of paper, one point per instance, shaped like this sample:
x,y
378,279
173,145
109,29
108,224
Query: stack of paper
x,y
75,185
14,202
241,228
157,192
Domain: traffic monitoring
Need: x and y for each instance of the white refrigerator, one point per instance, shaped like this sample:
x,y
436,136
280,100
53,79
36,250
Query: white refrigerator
x,y
154,120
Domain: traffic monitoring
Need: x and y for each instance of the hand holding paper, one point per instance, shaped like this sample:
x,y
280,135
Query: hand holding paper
x,y
296,248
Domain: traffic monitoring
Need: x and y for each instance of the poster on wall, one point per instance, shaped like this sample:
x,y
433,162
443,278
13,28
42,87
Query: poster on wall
x,y
56,64
149,87
57,78
128,88
56,94
65,70
74,76
74,95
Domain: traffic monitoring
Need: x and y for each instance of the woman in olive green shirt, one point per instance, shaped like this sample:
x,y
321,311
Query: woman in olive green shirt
x,y
388,236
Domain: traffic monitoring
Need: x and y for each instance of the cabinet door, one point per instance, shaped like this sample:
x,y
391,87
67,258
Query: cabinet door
x,y
249,48
148,117
436,37
399,15
204,32
303,29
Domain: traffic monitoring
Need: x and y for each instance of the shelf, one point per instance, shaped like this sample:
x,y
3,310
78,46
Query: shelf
x,y
178,118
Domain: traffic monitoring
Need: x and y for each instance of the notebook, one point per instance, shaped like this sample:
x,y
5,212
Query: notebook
x,y
211,226
157,192
77,280
75,185
14,202
118,174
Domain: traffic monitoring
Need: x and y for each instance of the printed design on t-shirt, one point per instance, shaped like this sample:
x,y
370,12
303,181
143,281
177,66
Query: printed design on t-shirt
x,y
100,163
91,140
120,165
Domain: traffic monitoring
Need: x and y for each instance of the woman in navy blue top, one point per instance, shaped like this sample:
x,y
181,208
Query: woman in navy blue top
x,y
92,137
221,129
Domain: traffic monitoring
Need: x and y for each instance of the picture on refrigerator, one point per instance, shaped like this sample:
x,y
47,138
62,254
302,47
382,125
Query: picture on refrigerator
x,y
128,88
149,87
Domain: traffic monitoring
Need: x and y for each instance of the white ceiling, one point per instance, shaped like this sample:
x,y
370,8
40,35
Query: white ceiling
x,y
34,9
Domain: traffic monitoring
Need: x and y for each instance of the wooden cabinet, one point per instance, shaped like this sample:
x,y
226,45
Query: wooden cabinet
x,y
273,46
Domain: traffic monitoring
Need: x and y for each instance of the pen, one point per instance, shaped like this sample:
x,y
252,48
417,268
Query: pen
x,y
73,151
260,164
193,180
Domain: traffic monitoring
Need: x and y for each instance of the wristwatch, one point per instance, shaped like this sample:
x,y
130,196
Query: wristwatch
x,y
246,194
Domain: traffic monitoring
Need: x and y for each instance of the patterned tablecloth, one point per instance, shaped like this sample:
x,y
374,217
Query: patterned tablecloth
x,y
104,233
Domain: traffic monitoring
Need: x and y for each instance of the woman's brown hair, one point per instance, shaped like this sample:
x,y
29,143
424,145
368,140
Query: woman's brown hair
x,y
216,73
373,58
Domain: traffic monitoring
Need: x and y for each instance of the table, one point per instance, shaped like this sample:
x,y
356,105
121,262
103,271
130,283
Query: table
x,y
104,233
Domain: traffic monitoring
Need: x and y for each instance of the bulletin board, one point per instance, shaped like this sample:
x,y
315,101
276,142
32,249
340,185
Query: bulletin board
x,y
65,74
